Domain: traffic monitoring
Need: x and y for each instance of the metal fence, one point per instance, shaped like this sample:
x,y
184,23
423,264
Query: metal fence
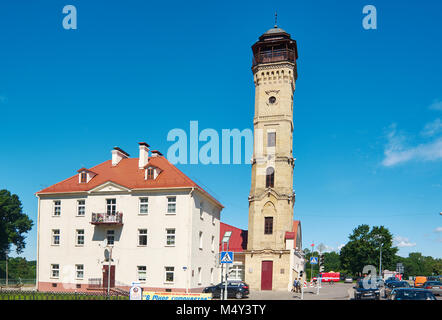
x,y
19,282
36,295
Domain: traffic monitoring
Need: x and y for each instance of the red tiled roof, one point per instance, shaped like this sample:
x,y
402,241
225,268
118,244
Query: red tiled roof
x,y
238,239
127,174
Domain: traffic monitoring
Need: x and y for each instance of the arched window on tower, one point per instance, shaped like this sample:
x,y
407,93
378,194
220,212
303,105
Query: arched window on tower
x,y
270,177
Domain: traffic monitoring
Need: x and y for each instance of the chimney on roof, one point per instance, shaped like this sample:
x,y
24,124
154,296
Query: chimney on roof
x,y
156,153
118,155
144,155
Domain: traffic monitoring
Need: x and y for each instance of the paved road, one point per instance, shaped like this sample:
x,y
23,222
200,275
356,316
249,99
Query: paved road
x,y
338,291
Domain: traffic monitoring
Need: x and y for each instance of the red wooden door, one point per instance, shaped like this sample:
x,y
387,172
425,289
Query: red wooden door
x,y
266,275
105,276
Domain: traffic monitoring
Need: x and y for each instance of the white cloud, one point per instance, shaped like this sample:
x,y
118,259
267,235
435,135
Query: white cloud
x,y
432,128
436,105
402,242
397,152
438,229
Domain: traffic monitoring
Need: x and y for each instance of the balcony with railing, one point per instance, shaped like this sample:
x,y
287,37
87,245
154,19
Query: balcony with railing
x,y
115,218
274,56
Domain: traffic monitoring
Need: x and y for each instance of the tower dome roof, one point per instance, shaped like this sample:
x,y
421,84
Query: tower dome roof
x,y
274,30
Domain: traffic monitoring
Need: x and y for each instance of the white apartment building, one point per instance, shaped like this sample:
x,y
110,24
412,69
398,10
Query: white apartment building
x,y
159,226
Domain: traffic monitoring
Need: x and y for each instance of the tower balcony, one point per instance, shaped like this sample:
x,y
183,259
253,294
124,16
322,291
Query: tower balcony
x,y
274,56
115,218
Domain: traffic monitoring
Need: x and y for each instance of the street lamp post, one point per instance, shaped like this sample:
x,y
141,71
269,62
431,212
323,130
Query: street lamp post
x,y
380,261
225,240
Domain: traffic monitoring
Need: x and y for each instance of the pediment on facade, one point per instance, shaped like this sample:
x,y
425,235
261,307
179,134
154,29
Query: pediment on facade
x,y
109,186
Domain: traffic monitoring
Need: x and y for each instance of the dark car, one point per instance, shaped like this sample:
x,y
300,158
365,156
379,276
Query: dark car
x,y
433,278
389,280
411,294
366,290
235,289
434,286
394,285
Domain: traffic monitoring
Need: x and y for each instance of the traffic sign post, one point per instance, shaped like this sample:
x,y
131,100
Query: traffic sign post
x,y
226,257
313,260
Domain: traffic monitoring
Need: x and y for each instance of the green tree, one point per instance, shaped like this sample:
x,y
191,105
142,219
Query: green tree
x,y
14,224
332,262
363,248
18,268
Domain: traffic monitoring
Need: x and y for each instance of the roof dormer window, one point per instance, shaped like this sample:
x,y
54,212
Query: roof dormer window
x,y
150,173
85,175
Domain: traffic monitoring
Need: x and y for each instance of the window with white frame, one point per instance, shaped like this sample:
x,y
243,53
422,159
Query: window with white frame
x,y
142,237
55,270
201,240
55,237
111,206
213,216
110,236
199,275
171,204
79,271
169,273
141,273
79,241
57,208
144,205
81,208
212,245
170,237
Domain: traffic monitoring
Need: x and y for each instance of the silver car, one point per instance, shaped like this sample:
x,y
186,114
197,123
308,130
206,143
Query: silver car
x,y
434,286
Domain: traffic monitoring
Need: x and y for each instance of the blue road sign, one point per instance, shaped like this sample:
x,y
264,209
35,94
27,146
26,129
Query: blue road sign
x,y
226,257
314,260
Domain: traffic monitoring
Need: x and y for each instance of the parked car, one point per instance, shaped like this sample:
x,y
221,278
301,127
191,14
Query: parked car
x,y
394,285
366,290
433,278
389,280
411,294
419,281
434,286
235,289
348,279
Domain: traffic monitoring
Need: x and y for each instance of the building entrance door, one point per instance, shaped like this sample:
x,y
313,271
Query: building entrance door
x,y
106,274
266,275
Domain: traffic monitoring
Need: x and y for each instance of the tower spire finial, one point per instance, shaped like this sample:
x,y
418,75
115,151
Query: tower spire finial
x,y
276,19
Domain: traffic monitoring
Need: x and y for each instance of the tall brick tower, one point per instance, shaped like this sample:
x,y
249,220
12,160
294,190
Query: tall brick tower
x,y
271,199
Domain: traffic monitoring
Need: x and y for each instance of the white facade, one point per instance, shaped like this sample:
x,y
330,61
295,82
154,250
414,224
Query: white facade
x,y
184,243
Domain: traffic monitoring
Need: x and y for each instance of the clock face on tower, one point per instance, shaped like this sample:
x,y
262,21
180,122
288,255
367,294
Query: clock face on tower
x,y
272,100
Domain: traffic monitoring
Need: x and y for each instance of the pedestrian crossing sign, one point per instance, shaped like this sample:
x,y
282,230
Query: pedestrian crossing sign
x,y
226,257
314,260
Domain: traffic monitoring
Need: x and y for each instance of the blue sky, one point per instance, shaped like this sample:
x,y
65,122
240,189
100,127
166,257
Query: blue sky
x,y
368,103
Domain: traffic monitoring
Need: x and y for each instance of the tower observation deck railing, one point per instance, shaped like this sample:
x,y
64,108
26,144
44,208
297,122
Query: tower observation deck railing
x,y
274,56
